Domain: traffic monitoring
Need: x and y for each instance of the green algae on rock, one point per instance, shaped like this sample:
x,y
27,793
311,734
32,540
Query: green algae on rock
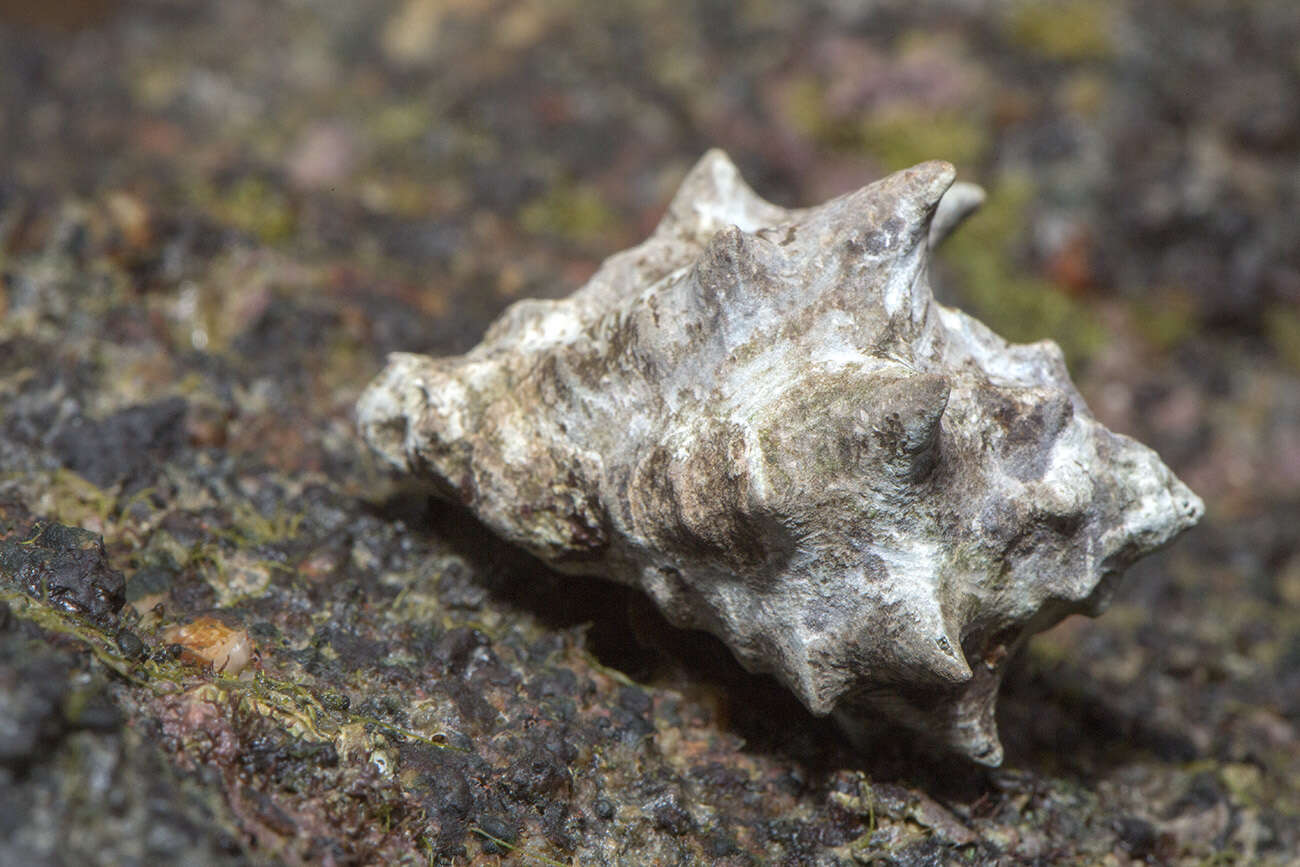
x,y
763,419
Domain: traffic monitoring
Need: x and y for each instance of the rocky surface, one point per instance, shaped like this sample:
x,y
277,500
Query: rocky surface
x,y
215,222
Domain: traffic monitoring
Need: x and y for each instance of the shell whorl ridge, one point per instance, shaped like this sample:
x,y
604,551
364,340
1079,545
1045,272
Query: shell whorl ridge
x,y
763,419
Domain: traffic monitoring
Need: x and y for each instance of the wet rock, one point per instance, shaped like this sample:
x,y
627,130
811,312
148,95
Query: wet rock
x,y
79,787
149,584
478,714
31,702
444,784
67,567
604,809
276,342
335,702
131,645
669,815
560,683
126,444
43,700
634,700
455,648
458,590
720,845
498,828
1137,835
537,774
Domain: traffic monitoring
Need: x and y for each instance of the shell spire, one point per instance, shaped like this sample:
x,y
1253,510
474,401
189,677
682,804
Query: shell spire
x,y
711,197
881,230
763,419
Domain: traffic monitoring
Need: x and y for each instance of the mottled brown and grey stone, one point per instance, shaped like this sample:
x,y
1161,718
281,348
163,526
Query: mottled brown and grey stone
x,y
763,419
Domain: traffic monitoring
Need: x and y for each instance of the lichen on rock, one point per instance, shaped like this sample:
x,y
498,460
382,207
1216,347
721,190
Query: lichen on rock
x,y
763,419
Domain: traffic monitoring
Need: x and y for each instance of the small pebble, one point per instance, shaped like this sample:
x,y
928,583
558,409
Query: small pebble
x,y
208,641
335,701
131,645
497,828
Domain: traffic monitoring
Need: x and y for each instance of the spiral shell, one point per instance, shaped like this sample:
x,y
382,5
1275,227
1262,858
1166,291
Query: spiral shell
x,y
763,419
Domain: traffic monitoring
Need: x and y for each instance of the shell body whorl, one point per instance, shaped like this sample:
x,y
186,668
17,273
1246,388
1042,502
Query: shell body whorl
x,y
763,419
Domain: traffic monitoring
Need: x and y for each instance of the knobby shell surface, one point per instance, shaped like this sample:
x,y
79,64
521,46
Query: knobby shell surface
x,y
763,419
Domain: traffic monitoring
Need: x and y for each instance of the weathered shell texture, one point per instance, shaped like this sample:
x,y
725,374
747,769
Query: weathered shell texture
x,y
763,419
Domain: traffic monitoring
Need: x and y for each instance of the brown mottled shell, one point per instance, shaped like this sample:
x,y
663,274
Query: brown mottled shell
x,y
763,419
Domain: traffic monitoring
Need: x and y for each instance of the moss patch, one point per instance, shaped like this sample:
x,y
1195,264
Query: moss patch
x,y
1284,333
1073,30
573,212
254,206
1166,318
898,139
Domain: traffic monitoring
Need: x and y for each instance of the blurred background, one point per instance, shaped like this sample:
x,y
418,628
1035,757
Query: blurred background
x,y
293,189
1142,158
